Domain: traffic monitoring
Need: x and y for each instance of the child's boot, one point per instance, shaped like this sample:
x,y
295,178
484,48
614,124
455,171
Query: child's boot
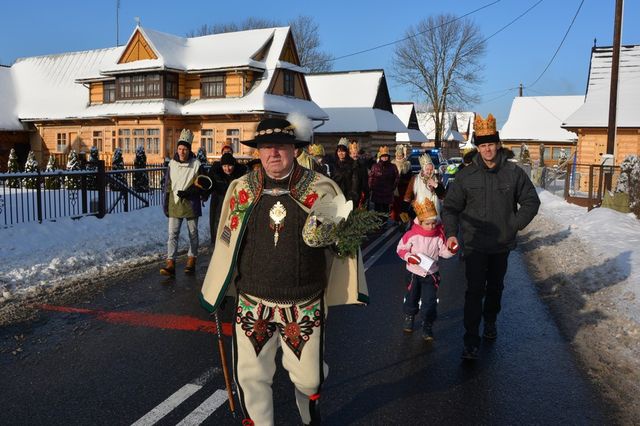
x,y
427,331
407,327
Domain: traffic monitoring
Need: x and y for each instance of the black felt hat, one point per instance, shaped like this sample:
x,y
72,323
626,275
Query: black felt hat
x,y
275,130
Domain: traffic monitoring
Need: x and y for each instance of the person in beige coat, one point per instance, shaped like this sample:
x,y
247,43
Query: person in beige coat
x,y
270,252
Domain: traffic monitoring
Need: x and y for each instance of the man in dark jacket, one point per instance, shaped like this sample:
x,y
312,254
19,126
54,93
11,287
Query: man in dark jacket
x,y
491,200
221,177
346,173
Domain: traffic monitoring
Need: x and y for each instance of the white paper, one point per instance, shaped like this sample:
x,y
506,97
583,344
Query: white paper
x,y
333,209
425,261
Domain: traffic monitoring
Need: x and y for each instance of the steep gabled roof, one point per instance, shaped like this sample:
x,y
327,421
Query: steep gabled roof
x,y
595,110
352,99
48,87
406,112
539,118
463,121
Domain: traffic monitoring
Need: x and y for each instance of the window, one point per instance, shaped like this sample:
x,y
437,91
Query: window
x,y
233,139
61,139
289,85
140,86
137,86
124,87
207,140
171,86
212,86
169,143
152,86
97,140
124,141
153,141
138,138
109,92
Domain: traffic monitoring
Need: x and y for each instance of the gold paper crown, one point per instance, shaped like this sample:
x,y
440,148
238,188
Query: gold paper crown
x,y
384,150
316,150
484,127
424,160
425,210
354,146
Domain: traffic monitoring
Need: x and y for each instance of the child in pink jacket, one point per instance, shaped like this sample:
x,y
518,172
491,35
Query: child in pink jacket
x,y
420,247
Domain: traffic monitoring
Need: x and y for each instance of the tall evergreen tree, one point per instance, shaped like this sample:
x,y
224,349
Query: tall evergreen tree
x,y
73,182
12,167
51,182
92,165
140,178
31,166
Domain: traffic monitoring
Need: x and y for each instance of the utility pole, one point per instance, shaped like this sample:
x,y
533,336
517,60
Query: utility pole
x,y
613,93
117,23
520,90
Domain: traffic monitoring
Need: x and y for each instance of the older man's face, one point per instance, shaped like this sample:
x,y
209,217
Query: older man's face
x,y
277,159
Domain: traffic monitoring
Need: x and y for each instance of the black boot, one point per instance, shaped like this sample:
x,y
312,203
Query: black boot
x,y
470,352
490,330
427,331
407,326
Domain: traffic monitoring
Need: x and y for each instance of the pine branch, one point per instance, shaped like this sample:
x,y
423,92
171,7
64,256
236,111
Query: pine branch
x,y
350,233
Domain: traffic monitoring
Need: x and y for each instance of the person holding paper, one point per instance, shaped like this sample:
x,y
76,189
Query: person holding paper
x,y
420,247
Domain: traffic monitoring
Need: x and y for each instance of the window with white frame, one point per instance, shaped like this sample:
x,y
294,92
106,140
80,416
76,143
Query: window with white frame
x,y
61,142
207,139
233,139
212,86
153,141
97,139
124,140
138,138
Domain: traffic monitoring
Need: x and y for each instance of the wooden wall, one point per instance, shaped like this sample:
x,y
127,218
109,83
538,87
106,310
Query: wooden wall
x,y
592,143
96,93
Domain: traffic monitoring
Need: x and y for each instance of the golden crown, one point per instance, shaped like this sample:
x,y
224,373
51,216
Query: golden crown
x,y
384,150
484,127
316,149
425,210
354,146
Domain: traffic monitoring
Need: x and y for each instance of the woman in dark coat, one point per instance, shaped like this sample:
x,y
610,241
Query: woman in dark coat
x,y
383,180
221,175
345,174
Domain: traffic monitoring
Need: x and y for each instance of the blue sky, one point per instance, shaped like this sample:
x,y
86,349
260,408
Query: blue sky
x,y
518,54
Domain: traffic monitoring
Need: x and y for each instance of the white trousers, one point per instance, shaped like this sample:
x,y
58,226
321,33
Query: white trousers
x,y
260,328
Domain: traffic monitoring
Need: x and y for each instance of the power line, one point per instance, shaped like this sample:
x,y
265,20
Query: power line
x,y
514,20
560,45
414,35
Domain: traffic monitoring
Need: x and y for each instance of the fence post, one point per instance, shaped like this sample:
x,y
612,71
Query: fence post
x,y
101,183
567,180
83,188
590,188
39,196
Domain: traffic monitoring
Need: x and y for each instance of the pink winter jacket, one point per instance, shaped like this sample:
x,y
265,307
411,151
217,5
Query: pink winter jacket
x,y
429,243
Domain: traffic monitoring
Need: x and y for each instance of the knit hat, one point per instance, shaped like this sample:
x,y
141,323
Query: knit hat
x,y
425,210
186,137
227,159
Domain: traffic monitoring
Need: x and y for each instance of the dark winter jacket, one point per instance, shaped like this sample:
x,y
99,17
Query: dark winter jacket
x,y
363,173
221,182
383,180
489,205
346,175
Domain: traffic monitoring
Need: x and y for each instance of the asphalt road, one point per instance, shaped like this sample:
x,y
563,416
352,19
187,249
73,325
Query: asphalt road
x,y
140,351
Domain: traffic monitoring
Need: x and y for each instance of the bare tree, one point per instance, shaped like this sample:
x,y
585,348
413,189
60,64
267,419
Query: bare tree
x,y
440,61
305,33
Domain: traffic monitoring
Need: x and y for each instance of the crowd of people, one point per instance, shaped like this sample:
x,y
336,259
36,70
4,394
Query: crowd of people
x,y
275,256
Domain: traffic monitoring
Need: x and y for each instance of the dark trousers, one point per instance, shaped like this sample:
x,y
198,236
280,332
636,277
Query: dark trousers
x,y
425,289
485,282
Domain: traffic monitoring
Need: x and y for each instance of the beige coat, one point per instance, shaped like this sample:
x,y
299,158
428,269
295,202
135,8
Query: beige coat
x,y
346,278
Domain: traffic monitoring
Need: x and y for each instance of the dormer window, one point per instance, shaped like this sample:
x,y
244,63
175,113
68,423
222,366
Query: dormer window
x,y
212,86
289,83
146,86
109,92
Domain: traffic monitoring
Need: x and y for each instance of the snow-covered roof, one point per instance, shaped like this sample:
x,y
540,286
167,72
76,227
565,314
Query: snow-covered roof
x,y
8,117
345,89
404,110
463,119
595,110
539,118
360,120
349,99
47,87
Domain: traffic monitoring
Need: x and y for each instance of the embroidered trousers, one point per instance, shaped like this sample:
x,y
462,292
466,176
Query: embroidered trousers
x,y
260,328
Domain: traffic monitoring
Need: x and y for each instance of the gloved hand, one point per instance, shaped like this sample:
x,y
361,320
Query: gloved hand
x,y
182,194
413,259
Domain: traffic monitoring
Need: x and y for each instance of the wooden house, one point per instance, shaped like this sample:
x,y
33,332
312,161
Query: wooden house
x,y
406,112
359,108
144,92
537,120
457,130
590,121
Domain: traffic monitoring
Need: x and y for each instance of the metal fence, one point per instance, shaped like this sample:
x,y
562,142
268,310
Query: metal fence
x,y
47,196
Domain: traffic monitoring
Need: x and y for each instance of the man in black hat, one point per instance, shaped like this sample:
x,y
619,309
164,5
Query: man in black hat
x,y
268,249
491,199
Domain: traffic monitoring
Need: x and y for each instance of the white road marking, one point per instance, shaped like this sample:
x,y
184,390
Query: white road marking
x,y
375,256
205,409
375,243
168,405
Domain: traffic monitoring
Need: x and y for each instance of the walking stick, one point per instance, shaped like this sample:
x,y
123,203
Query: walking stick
x,y
223,360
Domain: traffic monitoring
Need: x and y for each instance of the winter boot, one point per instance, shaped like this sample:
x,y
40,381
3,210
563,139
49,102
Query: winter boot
x,y
427,331
490,331
191,265
470,352
407,326
170,269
